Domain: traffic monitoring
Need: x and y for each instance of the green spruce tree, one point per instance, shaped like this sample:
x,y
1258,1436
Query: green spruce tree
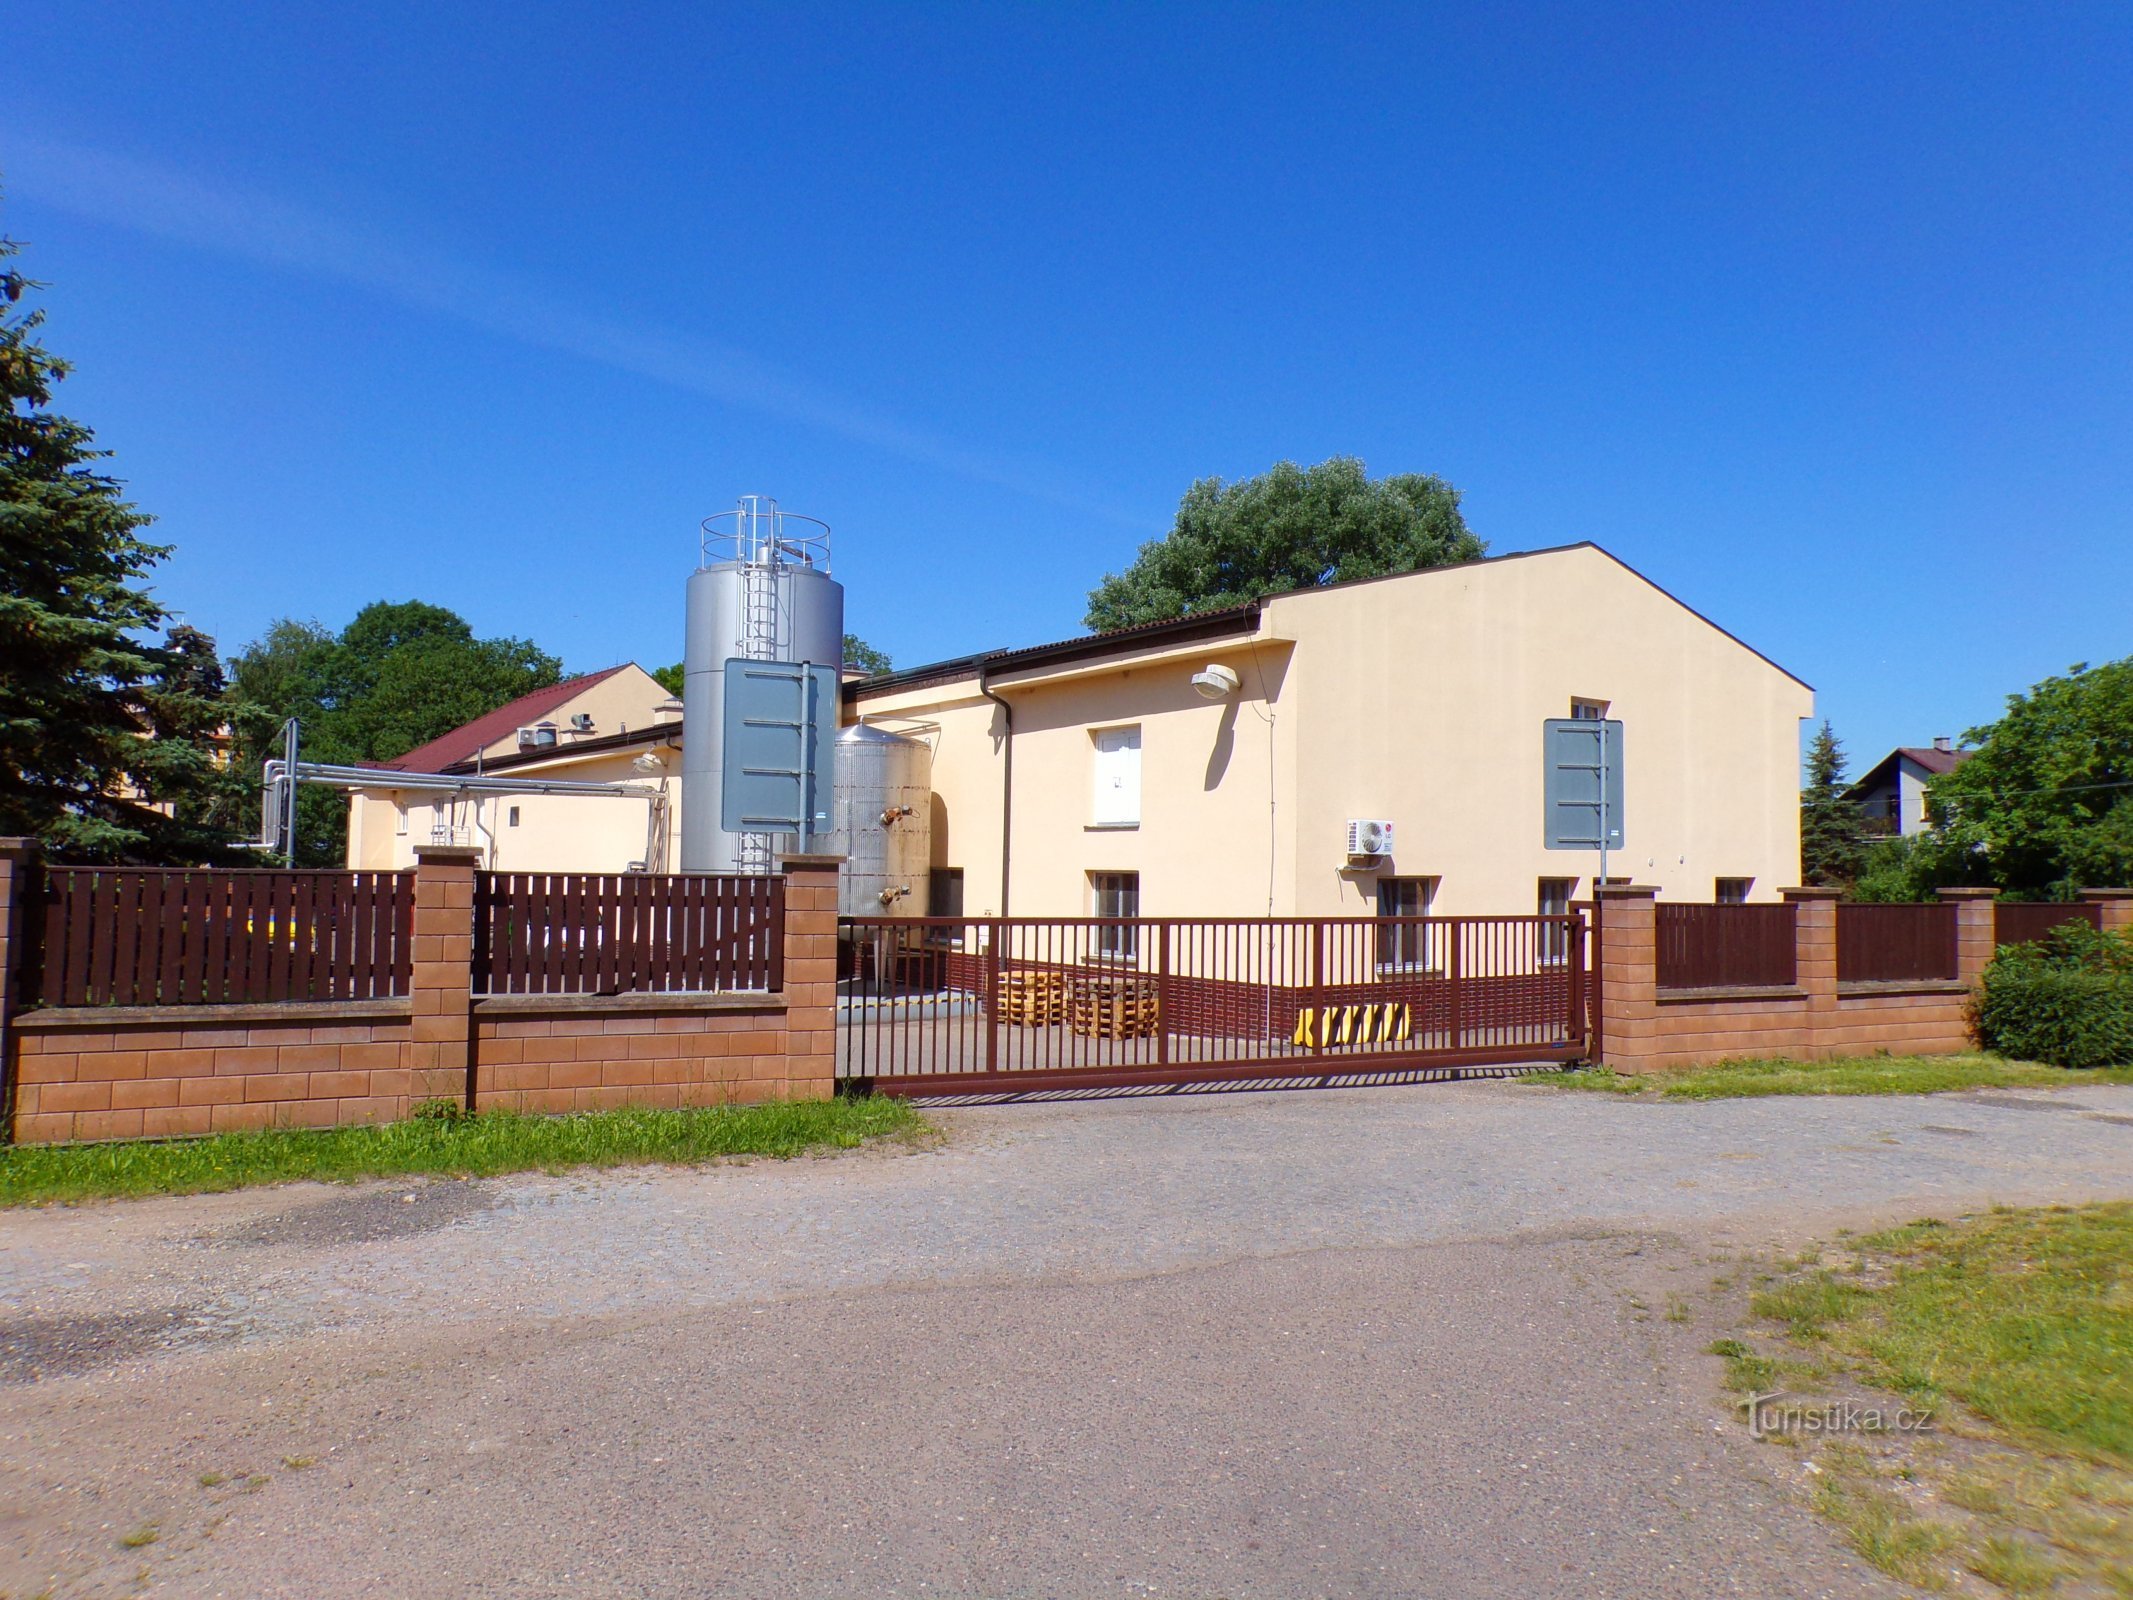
x,y
105,732
1832,827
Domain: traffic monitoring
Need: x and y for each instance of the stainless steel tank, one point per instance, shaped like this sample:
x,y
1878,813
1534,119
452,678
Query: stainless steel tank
x,y
881,821
770,599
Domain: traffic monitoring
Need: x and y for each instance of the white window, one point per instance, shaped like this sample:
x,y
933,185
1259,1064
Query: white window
x,y
514,817
1404,944
1554,901
1115,894
400,819
1732,891
1588,710
1117,801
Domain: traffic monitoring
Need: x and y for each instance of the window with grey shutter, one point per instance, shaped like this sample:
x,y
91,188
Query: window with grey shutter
x,y
1575,752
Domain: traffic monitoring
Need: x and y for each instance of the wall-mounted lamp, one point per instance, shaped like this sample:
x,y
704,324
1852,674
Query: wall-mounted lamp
x,y
1215,681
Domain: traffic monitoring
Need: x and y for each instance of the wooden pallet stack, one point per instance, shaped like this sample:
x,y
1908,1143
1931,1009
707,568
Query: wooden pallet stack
x,y
1032,999
1115,1008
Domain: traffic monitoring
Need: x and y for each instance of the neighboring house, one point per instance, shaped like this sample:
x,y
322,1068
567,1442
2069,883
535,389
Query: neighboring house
x,y
599,727
1892,796
1418,700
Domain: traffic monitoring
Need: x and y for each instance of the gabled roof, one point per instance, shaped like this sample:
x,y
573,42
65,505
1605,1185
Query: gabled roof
x,y
467,741
1934,761
1229,620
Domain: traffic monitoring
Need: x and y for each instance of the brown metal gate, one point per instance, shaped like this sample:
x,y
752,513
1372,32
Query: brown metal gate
x,y
945,1005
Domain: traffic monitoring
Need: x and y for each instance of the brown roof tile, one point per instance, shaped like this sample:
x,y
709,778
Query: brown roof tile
x,y
468,740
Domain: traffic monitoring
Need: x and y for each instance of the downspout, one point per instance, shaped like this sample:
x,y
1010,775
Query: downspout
x,y
1007,777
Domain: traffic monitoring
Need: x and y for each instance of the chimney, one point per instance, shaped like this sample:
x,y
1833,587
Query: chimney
x,y
1943,744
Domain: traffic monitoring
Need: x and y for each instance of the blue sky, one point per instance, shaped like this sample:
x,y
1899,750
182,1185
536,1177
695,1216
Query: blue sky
x,y
1821,316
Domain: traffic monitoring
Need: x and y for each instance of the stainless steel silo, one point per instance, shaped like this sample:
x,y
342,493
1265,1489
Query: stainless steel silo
x,y
881,821
762,592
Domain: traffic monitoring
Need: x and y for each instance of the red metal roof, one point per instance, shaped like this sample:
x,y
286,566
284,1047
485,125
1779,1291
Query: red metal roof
x,y
465,742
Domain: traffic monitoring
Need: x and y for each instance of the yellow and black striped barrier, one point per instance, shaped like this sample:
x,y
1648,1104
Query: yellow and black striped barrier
x,y
1381,1022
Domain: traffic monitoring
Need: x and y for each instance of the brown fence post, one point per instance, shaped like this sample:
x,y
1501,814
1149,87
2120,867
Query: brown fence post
x,y
810,959
440,1052
1973,930
18,876
1626,999
2115,907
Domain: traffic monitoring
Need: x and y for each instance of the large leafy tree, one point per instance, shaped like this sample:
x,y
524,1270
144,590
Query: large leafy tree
x,y
400,674
863,657
2045,803
106,731
430,685
1832,827
1289,528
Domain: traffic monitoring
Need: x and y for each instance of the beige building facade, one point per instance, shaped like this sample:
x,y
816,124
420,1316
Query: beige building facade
x,y
1094,777
1418,700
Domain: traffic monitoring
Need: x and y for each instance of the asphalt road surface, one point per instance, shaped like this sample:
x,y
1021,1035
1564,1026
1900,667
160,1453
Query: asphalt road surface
x,y
1405,1341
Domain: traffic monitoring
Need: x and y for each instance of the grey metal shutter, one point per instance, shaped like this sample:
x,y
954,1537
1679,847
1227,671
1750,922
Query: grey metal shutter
x,y
781,734
1572,753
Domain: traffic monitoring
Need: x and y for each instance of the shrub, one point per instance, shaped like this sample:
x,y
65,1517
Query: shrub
x,y
2066,1000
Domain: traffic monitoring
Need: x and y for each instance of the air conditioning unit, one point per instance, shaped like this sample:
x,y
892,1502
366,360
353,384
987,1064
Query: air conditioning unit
x,y
582,722
1369,839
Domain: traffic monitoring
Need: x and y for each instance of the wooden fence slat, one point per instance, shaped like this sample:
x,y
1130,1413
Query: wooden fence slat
x,y
184,925
693,932
163,929
711,929
643,968
519,972
404,934
126,933
606,891
772,945
73,941
247,930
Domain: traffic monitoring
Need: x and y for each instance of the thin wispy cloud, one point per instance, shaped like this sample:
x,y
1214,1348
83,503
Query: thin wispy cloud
x,y
182,208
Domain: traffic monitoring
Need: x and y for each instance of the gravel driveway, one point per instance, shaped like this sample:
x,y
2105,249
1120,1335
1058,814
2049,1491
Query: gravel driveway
x,y
1401,1341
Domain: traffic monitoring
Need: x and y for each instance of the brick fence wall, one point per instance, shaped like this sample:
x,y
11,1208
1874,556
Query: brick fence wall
x,y
117,1072
1643,1027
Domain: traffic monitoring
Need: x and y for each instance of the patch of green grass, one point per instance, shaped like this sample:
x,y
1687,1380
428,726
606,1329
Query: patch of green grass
x,y
2016,1327
473,1146
1746,1372
211,1480
2025,1317
1853,1075
1883,1529
141,1536
1807,1306
2016,1565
